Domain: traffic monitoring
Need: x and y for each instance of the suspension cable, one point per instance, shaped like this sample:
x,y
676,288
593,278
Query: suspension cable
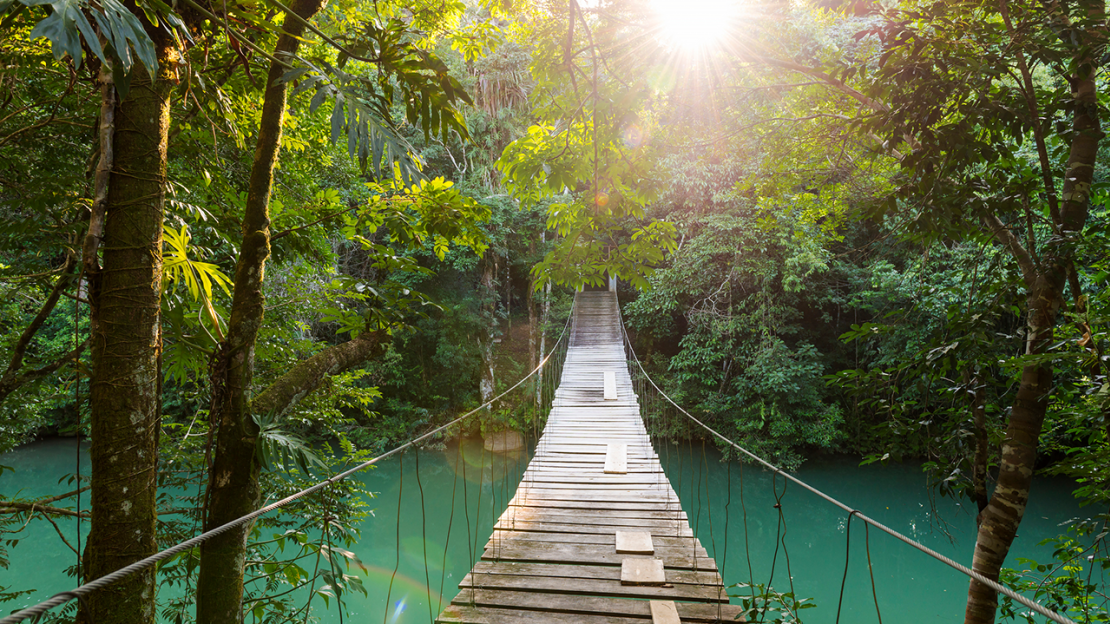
x,y
1040,609
80,592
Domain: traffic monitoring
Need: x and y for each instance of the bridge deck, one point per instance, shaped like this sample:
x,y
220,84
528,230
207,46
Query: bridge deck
x,y
553,554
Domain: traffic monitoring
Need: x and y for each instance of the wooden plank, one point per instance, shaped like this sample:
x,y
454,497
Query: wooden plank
x,y
640,571
634,543
612,573
540,605
526,500
601,487
616,459
550,513
569,476
687,544
464,614
589,587
610,381
663,612
588,523
615,495
549,552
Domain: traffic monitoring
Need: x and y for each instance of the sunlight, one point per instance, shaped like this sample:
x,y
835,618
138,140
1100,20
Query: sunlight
x,y
694,25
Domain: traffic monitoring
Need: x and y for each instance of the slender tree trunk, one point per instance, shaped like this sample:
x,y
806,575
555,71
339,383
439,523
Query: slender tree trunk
x,y
14,377
233,489
533,359
125,295
485,344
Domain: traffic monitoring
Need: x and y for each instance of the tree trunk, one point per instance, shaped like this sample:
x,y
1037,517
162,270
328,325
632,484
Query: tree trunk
x,y
533,360
998,522
485,344
125,295
1045,282
233,489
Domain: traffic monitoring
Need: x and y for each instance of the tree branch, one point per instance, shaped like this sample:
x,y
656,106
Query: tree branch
x,y
309,375
10,507
308,225
1011,242
12,379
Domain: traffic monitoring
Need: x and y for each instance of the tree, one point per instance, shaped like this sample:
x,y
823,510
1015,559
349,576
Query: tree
x,y
234,488
958,88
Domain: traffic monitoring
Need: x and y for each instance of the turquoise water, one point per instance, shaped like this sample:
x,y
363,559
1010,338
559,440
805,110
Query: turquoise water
x,y
809,547
910,586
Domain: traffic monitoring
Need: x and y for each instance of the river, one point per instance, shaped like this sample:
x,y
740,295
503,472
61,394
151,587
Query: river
x,y
807,548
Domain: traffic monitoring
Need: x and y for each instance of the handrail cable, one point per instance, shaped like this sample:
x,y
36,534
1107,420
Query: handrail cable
x,y
1040,609
78,593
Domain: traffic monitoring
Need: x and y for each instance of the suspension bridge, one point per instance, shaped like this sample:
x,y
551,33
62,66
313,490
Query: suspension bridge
x,y
595,534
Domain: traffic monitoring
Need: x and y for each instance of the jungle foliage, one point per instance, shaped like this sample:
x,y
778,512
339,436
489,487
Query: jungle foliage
x,y
876,228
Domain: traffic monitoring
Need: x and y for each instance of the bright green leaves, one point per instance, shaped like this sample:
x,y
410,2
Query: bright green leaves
x,y
67,25
363,102
477,40
197,276
185,327
430,215
600,215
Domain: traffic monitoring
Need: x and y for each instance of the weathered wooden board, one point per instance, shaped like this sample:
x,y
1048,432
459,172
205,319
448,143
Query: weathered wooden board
x,y
611,573
688,544
549,513
593,524
541,605
534,500
616,459
589,587
664,612
634,543
642,571
547,552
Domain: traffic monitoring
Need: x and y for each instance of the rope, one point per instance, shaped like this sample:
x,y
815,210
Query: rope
x,y
847,557
1048,613
870,570
450,523
108,579
397,562
424,538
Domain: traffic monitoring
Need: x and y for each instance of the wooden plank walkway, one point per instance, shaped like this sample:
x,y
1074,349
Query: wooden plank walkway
x,y
553,553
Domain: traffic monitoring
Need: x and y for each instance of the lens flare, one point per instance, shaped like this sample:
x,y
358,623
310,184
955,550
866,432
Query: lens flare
x,y
633,136
398,609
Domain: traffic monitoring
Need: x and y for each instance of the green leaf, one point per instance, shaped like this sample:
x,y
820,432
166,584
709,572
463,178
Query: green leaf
x,y
60,27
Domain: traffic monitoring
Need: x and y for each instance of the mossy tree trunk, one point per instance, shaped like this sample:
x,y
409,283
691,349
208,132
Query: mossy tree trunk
x,y
233,488
125,393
